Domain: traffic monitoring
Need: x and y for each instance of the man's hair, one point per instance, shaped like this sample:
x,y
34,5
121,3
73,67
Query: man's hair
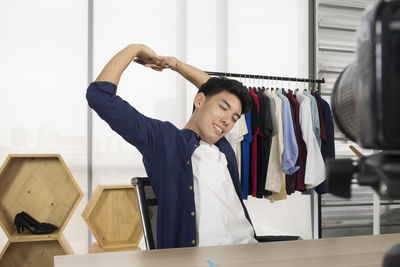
x,y
216,85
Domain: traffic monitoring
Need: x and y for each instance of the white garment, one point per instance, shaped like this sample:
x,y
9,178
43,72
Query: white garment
x,y
234,137
220,218
275,174
242,132
315,167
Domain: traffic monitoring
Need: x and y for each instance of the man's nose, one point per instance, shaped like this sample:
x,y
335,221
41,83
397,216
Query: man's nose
x,y
225,121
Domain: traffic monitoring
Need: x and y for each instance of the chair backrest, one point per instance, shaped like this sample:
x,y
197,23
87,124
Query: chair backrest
x,y
148,207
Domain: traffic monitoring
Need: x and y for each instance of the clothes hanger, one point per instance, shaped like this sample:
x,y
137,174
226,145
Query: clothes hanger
x,y
278,86
305,86
258,81
272,88
297,88
282,86
288,86
262,83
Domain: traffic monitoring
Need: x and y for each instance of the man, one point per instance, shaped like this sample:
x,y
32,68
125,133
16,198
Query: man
x,y
193,171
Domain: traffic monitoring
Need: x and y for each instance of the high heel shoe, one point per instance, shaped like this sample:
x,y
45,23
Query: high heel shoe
x,y
33,221
35,228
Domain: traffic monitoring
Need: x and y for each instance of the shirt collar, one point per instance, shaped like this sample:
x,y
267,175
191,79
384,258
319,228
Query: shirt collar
x,y
191,134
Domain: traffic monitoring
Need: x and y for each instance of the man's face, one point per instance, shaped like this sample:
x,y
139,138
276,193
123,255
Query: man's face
x,y
216,115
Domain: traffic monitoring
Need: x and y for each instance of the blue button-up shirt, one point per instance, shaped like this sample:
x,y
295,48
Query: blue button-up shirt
x,y
246,157
167,153
290,148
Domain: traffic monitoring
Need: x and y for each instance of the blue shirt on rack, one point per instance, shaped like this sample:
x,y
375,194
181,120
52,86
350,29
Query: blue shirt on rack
x,y
247,138
167,153
290,148
328,148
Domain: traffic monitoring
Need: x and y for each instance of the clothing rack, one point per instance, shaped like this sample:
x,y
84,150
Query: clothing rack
x,y
278,78
265,77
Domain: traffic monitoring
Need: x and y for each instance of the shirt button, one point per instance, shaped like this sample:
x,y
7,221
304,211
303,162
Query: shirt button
x,y
190,187
195,145
193,242
192,213
187,162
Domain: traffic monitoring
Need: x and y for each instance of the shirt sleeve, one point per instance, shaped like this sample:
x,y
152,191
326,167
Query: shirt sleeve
x,y
134,127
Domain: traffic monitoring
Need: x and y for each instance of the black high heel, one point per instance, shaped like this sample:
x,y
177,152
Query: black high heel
x,y
35,228
33,221
19,227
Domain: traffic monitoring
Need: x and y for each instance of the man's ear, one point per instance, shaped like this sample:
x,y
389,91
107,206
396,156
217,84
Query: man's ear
x,y
199,99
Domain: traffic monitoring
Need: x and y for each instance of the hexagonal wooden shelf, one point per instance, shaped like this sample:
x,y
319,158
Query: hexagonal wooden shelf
x,y
113,216
34,253
42,186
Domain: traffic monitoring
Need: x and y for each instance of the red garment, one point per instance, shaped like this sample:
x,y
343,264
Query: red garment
x,y
253,151
321,120
301,160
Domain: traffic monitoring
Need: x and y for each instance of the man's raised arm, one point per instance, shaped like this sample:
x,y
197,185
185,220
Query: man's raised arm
x,y
134,127
192,74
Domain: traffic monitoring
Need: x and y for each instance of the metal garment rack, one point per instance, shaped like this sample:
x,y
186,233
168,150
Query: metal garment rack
x,y
265,77
278,78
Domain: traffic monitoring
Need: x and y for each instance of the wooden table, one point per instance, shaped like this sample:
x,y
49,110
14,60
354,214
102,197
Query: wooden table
x,y
342,251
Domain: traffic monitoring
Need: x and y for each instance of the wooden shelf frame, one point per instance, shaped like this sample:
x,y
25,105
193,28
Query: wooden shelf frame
x,y
113,216
42,186
34,253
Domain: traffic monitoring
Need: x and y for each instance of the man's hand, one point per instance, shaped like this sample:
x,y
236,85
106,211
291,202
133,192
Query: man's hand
x,y
147,57
162,62
192,74
169,62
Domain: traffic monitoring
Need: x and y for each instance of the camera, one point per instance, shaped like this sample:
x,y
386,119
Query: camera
x,y
366,108
366,96
366,105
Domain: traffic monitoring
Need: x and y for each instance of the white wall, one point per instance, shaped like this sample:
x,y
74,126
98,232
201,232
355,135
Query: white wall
x,y
43,66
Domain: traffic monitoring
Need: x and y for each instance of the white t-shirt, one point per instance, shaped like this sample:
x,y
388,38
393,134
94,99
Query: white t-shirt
x,y
220,218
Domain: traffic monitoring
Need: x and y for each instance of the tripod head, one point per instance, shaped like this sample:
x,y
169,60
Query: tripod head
x,y
380,171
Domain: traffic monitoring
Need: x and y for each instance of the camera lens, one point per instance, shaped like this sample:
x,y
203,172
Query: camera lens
x,y
343,102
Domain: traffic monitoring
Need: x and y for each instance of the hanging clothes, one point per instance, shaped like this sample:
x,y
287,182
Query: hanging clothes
x,y
235,137
328,148
274,131
302,157
261,142
242,132
275,175
281,142
267,131
314,116
321,121
245,172
255,124
290,149
291,179
315,167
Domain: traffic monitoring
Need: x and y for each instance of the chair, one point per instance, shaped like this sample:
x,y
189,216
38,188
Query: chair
x,y
148,206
